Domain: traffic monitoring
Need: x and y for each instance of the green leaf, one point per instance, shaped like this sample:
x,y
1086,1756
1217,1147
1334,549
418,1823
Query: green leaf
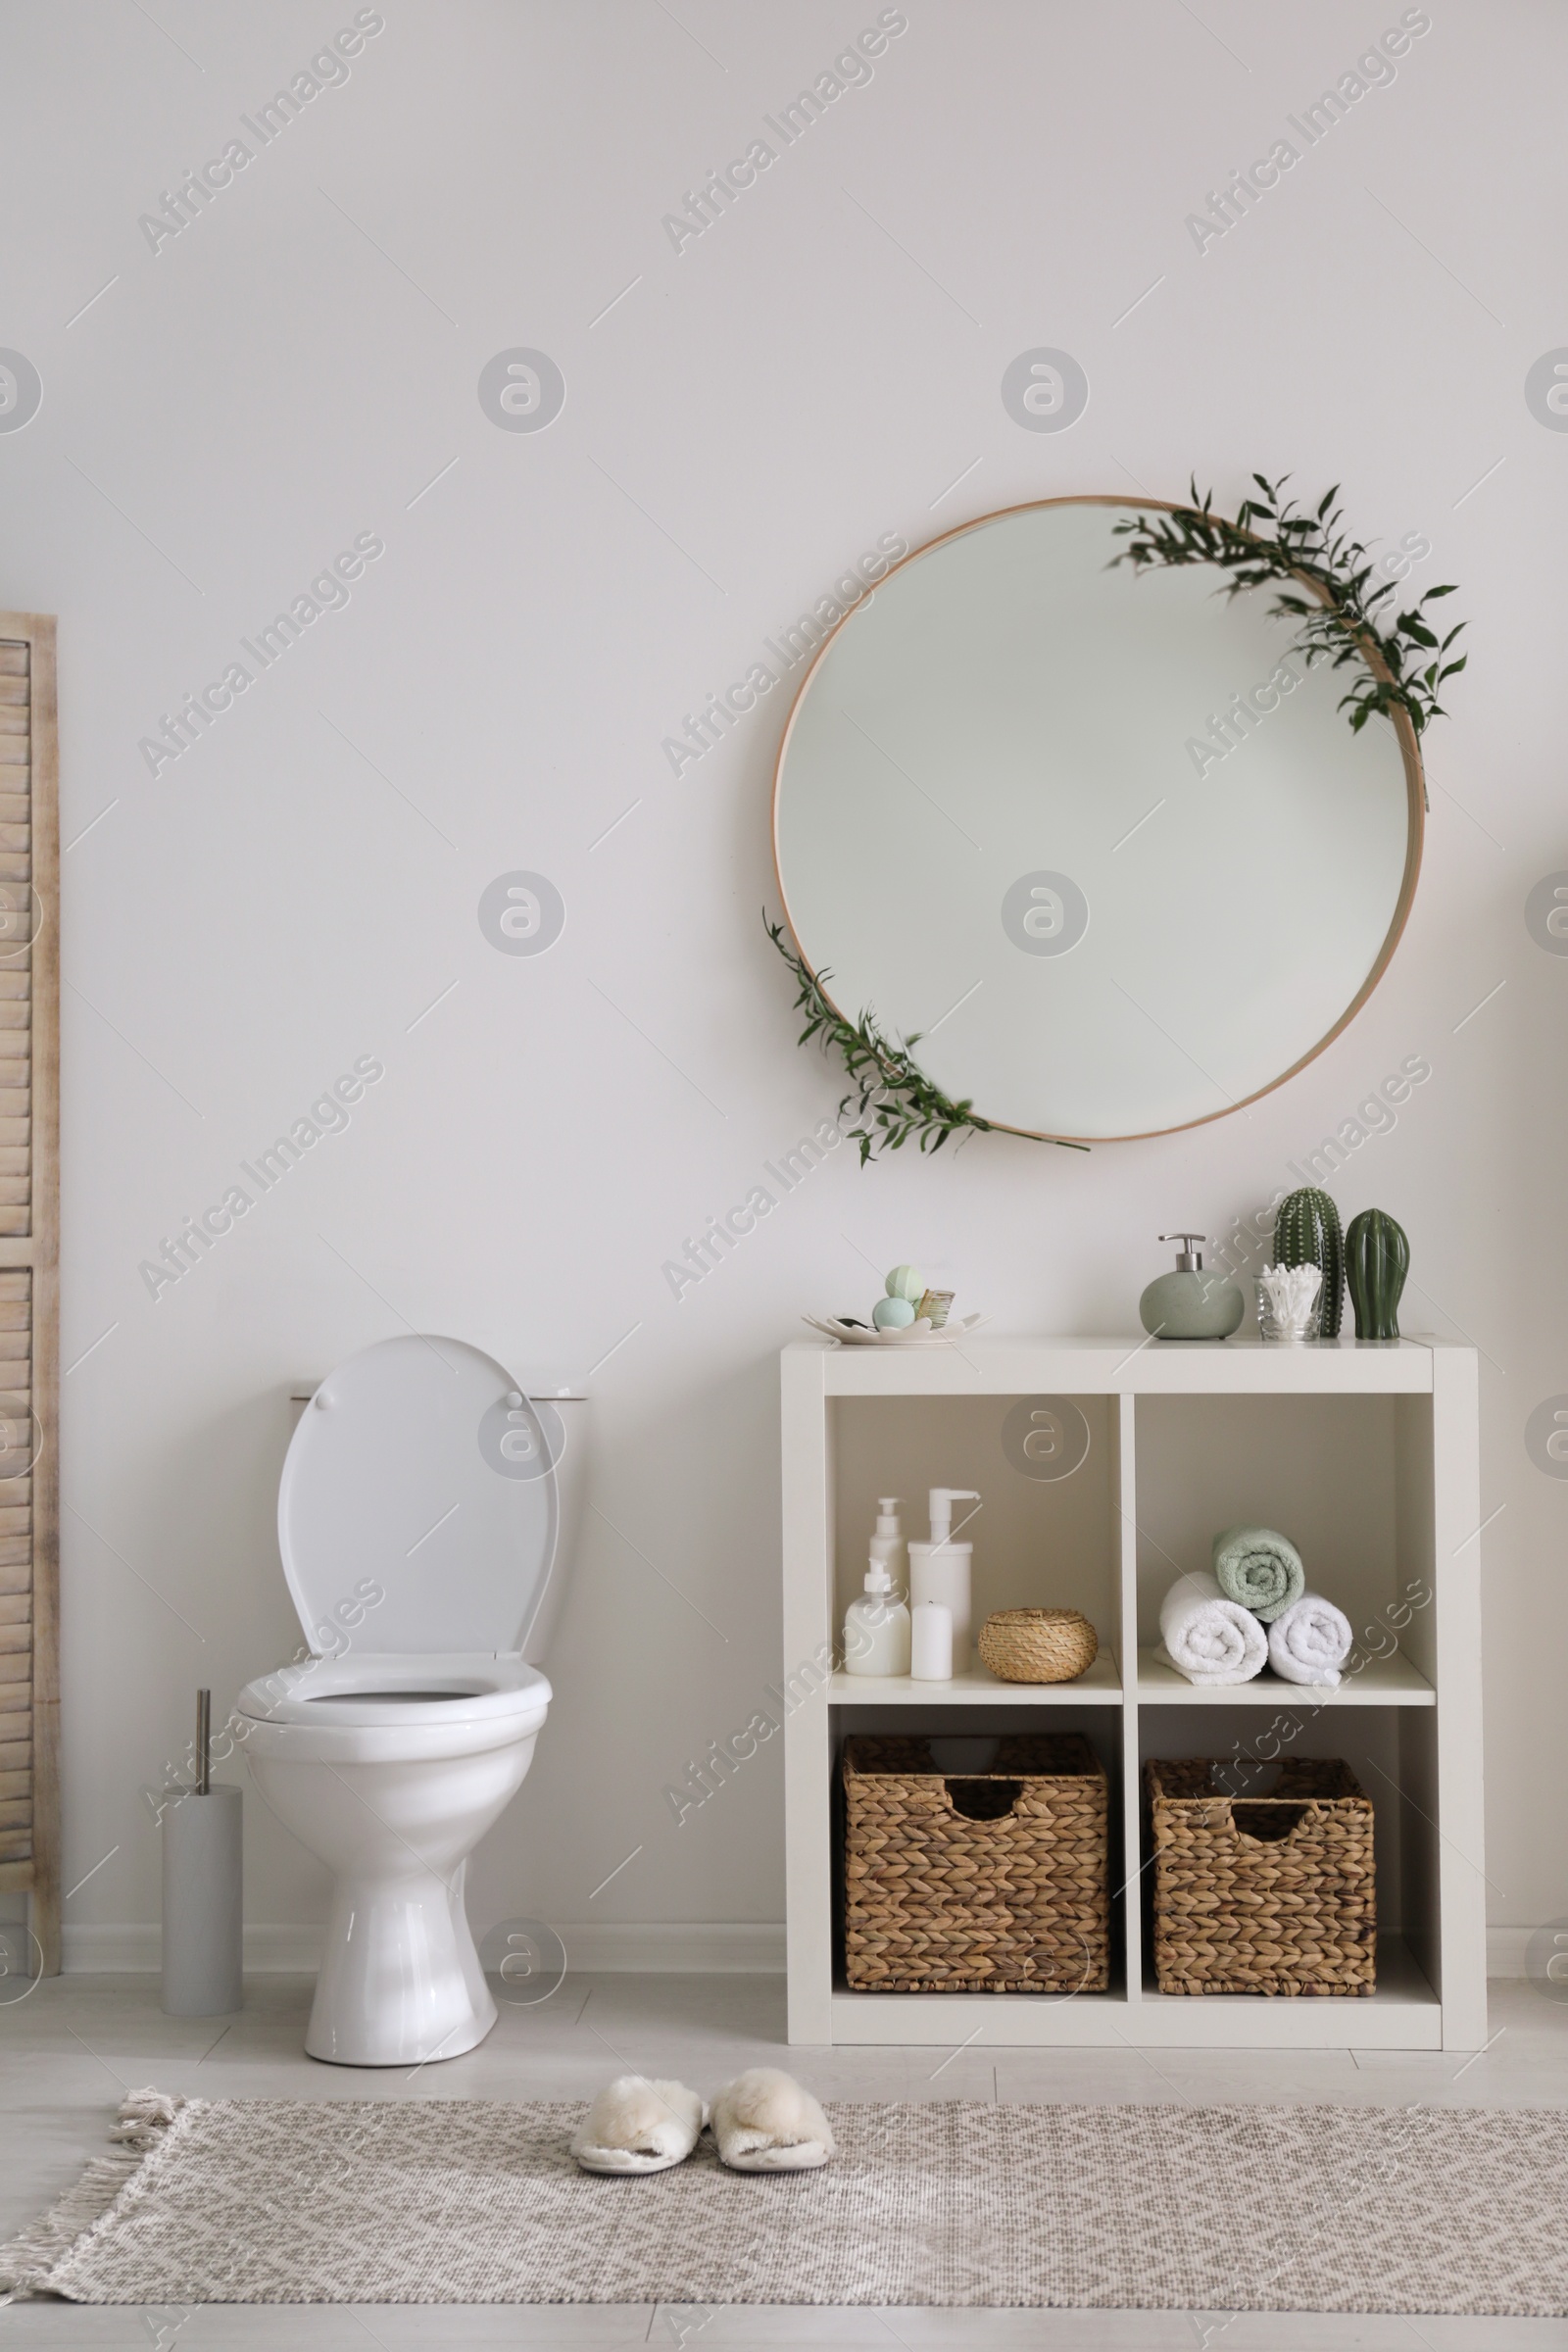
x,y
1274,540
893,1091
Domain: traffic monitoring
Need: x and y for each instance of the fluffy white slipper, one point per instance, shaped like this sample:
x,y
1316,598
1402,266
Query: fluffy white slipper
x,y
764,2123
636,2125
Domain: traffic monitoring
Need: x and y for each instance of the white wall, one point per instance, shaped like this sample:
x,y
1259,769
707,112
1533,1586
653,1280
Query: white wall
x,y
302,885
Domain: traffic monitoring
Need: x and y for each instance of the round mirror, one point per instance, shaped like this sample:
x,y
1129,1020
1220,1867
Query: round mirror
x,y
1096,837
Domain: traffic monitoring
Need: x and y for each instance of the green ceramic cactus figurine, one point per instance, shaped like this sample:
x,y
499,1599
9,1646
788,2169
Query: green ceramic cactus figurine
x,y
1307,1233
1376,1259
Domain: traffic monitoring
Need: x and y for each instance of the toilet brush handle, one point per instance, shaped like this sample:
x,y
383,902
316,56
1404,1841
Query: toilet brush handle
x,y
204,1744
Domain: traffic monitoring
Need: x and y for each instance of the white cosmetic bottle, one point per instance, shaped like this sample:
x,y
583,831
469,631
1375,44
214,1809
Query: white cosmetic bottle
x,y
888,1545
876,1628
939,1570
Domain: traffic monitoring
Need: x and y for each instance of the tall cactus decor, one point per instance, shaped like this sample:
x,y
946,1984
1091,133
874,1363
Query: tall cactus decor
x,y
1376,1259
1307,1233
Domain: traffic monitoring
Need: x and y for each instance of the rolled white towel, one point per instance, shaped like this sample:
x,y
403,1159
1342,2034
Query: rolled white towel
x,y
1207,1638
1310,1641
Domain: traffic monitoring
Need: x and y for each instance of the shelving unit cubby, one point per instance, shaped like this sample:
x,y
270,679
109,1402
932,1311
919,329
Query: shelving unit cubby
x,y
1366,1454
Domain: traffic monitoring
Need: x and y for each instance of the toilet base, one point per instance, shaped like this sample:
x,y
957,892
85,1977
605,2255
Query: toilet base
x,y
401,1982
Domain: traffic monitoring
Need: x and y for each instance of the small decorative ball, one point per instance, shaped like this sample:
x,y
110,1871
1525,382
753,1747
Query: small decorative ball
x,y
904,1283
892,1314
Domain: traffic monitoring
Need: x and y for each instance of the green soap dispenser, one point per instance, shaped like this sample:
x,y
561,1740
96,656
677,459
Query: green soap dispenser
x,y
1189,1305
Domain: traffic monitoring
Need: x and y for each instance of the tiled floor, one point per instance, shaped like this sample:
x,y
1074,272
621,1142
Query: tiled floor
x,y
70,2050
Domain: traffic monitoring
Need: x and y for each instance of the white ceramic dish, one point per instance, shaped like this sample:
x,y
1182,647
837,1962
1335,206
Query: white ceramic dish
x,y
918,1334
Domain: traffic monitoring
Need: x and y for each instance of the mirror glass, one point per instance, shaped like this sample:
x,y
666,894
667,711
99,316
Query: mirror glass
x,y
1099,837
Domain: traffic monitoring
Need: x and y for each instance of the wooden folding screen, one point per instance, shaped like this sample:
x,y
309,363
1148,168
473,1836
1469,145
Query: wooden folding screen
x,y
30,1283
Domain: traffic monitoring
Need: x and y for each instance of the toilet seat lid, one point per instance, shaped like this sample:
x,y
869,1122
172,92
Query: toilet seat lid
x,y
417,1508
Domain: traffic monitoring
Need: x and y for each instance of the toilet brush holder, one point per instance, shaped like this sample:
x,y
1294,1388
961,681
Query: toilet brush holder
x,y
201,1902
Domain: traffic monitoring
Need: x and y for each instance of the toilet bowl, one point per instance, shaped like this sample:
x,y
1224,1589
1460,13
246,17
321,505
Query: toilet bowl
x,y
427,1515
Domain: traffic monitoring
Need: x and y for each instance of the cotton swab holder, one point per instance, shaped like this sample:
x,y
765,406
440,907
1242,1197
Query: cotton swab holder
x,y
203,1889
1288,1303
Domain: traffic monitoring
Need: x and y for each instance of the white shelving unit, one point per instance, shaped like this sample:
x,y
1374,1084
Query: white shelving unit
x,y
1366,1454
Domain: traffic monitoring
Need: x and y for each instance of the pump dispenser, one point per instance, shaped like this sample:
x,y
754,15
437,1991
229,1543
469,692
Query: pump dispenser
x,y
876,1628
1187,1303
941,1500
941,1570
888,1546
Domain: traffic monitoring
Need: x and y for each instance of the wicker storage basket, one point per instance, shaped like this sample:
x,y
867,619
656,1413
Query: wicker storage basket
x,y
993,1881
1037,1645
1270,1894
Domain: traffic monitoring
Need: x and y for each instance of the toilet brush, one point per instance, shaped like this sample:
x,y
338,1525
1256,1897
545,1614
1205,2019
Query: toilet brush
x,y
202,1888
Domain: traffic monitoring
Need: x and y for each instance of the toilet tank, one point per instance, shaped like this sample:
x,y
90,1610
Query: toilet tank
x,y
571,1414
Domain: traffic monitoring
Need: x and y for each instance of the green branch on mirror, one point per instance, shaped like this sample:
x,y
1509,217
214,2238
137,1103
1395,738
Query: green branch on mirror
x,y
894,1098
1273,540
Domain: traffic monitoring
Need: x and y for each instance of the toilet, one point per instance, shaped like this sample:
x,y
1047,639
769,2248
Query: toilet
x,y
427,1516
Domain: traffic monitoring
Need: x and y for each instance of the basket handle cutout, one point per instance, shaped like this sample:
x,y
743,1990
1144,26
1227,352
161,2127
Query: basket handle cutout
x,y
983,1801
1268,1824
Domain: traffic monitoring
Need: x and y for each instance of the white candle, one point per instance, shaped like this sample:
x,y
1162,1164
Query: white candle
x,y
931,1642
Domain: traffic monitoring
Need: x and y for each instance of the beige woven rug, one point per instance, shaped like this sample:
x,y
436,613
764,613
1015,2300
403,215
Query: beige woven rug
x,y
464,2201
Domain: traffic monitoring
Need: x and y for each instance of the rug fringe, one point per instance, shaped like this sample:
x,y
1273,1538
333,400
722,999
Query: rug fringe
x,y
145,2117
25,2262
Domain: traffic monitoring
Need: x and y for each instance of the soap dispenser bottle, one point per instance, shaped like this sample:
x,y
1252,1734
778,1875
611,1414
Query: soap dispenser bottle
x,y
1189,1305
941,1570
888,1545
876,1628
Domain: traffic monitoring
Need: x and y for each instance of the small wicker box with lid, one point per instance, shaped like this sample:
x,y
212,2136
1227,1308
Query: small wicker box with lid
x,y
1272,1894
993,1881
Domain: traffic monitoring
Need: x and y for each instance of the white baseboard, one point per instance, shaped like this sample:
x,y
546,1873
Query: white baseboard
x,y
662,1948
136,1948
717,1949
604,1947
90,1951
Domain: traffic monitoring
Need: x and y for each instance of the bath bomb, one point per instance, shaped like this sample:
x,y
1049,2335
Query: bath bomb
x,y
892,1314
904,1283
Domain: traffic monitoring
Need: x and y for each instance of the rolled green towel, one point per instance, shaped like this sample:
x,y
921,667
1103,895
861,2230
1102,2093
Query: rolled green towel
x,y
1259,1570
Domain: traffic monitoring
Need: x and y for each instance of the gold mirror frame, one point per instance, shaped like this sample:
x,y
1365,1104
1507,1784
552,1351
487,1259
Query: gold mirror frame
x,y
1415,808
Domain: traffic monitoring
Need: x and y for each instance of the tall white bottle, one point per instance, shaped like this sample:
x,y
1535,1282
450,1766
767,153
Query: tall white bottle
x,y
941,1570
876,1628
